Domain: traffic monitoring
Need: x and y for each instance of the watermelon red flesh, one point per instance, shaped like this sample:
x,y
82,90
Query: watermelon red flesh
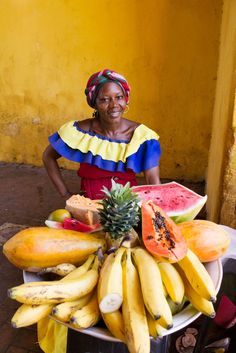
x,y
179,202
74,224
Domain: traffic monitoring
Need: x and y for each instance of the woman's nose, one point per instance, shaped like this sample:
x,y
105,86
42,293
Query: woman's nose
x,y
113,102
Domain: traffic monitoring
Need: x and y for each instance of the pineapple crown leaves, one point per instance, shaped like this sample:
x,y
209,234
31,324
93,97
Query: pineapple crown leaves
x,y
120,210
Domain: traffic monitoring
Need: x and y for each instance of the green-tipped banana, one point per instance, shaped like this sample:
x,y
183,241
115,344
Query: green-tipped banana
x,y
133,310
198,276
64,310
172,281
152,287
201,304
27,315
88,315
110,286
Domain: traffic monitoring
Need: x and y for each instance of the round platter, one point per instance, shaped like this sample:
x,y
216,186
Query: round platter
x,y
180,320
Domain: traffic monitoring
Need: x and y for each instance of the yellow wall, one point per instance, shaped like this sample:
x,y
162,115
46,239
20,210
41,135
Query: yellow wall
x,y
221,177
168,51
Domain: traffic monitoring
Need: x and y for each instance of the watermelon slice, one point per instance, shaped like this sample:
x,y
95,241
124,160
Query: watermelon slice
x,y
73,224
179,202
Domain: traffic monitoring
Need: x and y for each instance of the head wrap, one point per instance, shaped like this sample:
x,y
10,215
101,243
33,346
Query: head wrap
x,y
97,80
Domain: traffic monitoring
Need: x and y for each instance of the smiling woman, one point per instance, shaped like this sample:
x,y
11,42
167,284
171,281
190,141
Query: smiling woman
x,y
107,145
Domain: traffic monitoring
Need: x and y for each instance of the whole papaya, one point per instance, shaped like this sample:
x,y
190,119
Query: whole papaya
x,y
38,247
206,239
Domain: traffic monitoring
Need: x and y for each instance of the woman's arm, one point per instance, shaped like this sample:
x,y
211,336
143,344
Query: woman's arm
x,y
50,157
152,176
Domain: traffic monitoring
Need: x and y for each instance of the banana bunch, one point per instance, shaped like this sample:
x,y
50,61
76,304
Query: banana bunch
x,y
42,298
134,294
138,295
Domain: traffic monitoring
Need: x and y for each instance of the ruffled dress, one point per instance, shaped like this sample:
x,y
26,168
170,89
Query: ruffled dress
x,y
102,158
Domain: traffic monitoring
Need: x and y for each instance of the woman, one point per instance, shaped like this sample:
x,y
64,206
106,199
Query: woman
x,y
106,146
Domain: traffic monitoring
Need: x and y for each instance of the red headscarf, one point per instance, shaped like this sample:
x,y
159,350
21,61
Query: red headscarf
x,y
100,78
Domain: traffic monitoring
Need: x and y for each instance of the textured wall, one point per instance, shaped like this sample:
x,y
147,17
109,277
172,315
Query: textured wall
x,y
221,176
168,51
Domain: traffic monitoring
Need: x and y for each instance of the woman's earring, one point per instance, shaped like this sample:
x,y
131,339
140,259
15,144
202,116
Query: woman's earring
x,y
126,109
95,113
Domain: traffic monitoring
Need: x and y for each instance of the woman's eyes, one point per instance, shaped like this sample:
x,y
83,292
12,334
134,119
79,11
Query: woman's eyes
x,y
106,100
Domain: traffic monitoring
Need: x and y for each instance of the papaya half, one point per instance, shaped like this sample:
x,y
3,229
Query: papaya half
x,y
161,236
38,247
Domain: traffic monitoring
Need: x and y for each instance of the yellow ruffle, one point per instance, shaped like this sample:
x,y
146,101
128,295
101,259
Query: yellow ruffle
x,y
119,151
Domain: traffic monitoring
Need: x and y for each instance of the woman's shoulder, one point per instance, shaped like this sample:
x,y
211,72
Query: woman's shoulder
x,y
85,124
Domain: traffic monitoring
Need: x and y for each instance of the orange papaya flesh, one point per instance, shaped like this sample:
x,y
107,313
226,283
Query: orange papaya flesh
x,y
208,240
39,247
161,236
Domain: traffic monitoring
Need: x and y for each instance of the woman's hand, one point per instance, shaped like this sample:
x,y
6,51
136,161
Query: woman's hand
x,y
50,157
152,176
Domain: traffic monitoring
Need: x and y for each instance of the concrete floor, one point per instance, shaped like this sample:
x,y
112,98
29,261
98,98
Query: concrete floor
x,y
27,198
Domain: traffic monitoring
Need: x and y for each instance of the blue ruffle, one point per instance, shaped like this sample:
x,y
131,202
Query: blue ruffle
x,y
146,157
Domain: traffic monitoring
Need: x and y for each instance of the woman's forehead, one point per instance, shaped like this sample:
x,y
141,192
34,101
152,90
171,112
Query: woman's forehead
x,y
110,88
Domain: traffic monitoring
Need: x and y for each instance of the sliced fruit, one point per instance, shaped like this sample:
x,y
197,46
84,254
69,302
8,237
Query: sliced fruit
x,y
84,209
161,236
179,202
110,303
53,224
74,224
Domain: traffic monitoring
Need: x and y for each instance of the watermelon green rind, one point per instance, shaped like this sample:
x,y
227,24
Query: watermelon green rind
x,y
179,202
188,214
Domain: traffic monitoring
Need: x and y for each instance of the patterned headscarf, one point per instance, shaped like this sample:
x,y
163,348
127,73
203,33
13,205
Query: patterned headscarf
x,y
97,80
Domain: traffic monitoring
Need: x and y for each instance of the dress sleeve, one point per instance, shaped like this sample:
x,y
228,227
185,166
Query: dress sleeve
x,y
146,157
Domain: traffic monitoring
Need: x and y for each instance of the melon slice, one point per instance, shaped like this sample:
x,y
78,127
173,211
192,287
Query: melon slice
x,y
179,202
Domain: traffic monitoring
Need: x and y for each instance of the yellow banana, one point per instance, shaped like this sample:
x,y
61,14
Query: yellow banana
x,y
46,292
27,315
115,324
155,329
133,310
113,321
60,270
88,315
110,289
172,281
152,287
64,310
67,289
201,304
198,276
79,271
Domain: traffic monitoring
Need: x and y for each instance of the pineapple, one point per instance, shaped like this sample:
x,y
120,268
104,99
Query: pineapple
x,y
120,213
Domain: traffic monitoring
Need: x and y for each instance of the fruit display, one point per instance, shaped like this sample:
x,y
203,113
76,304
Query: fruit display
x,y
134,276
38,247
179,202
206,239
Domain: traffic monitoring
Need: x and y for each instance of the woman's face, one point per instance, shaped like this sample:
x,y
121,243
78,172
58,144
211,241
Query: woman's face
x,y
110,101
